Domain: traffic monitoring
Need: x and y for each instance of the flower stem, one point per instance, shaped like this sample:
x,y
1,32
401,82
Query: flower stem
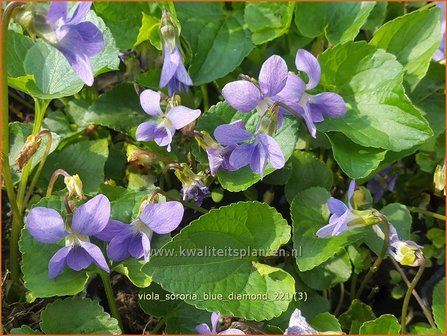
x,y
407,297
373,269
424,308
40,109
206,103
187,204
340,300
53,179
41,164
159,325
7,177
111,298
427,213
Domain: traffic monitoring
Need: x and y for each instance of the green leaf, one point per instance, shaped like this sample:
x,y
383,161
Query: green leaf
x,y
123,19
339,21
37,76
18,133
422,328
376,17
242,179
118,109
149,31
230,231
77,316
307,171
333,271
219,39
25,330
309,213
355,316
178,315
413,39
85,158
379,113
326,322
355,160
400,217
131,268
360,258
35,258
438,305
429,97
268,20
384,325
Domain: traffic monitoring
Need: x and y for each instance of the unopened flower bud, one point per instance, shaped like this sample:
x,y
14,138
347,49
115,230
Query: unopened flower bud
x,y
439,178
363,218
74,186
168,31
193,185
28,150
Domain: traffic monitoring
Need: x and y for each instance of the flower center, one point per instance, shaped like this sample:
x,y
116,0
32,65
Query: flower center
x,y
138,226
75,239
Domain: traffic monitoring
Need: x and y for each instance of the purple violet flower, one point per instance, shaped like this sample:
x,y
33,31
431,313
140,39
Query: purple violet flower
x,y
196,192
244,95
403,251
173,73
440,53
134,240
312,108
77,41
204,329
256,149
219,157
47,226
163,128
382,182
299,326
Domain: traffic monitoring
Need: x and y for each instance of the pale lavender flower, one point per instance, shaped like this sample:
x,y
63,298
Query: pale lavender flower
x,y
204,329
244,95
440,53
162,129
219,157
312,108
47,226
173,73
255,150
196,191
403,251
382,182
299,326
134,240
341,215
78,41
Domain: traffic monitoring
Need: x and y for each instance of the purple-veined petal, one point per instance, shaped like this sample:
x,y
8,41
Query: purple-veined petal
x,y
92,217
203,329
182,75
78,258
46,225
215,317
336,226
163,136
146,131
307,116
91,42
80,63
292,91
231,134
298,325
232,331
180,116
259,159
328,103
140,246
112,228
241,156
273,76
162,217
96,255
150,102
118,248
275,155
351,190
308,63
80,12
226,153
336,206
57,10
58,262
242,95
215,159
171,62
